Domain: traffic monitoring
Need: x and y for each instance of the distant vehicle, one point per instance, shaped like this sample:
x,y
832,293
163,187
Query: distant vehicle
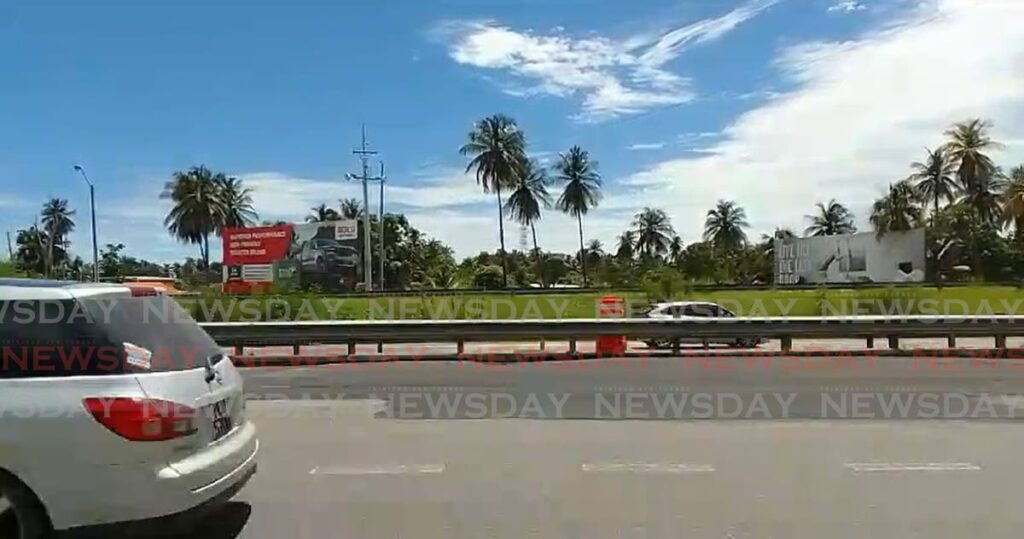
x,y
695,309
129,416
325,255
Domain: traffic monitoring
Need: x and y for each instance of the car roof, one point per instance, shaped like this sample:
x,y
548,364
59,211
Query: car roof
x,y
43,289
684,303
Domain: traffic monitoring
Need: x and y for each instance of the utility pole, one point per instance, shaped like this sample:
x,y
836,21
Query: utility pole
x,y
364,157
10,250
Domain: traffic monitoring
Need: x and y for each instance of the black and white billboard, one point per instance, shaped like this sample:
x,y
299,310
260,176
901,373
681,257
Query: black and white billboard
x,y
851,258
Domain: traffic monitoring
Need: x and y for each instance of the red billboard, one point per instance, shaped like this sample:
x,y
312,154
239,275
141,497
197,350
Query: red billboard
x,y
262,245
323,256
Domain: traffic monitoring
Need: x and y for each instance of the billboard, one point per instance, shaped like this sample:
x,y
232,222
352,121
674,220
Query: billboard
x,y
851,258
292,256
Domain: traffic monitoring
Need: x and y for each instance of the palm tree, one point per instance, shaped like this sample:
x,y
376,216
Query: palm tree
x,y
675,250
322,214
976,171
897,210
724,226
934,179
984,196
1013,202
582,189
525,202
627,242
497,146
831,220
58,224
653,232
32,246
197,209
237,202
350,208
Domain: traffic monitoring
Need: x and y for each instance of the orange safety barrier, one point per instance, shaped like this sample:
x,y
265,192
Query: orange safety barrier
x,y
611,345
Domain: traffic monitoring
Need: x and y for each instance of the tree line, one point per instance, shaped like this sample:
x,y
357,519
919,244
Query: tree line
x,y
973,211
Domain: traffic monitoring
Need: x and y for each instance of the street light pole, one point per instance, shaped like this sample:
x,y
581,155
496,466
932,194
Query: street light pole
x,y
364,155
92,207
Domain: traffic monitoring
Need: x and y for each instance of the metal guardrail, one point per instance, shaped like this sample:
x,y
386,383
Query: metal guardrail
x,y
240,334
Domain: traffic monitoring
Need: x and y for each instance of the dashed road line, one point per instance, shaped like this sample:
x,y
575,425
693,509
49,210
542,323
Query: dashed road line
x,y
868,467
648,467
397,469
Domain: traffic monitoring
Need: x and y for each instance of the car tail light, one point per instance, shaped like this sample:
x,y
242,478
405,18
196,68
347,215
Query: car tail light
x,y
142,420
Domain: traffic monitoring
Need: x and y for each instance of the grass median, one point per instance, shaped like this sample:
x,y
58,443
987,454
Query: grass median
x,y
971,300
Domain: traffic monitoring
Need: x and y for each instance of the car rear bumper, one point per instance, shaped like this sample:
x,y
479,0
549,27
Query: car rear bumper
x,y
167,524
208,498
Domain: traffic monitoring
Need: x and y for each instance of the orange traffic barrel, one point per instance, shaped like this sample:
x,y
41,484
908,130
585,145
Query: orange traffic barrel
x,y
611,345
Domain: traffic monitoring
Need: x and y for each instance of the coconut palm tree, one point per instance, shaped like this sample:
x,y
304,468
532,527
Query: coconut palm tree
x,y
653,232
350,208
1013,202
582,189
627,242
724,226
197,208
984,196
675,250
31,254
237,201
595,252
968,141
497,146
525,202
934,178
322,214
57,224
897,210
830,220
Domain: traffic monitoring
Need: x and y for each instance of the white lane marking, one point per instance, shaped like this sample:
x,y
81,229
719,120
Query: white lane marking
x,y
647,467
398,469
912,467
274,386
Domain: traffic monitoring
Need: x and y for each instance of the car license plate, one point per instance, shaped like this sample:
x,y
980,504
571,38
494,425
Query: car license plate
x,y
222,423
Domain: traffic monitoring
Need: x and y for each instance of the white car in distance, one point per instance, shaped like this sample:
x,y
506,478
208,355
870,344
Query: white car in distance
x,y
117,412
695,309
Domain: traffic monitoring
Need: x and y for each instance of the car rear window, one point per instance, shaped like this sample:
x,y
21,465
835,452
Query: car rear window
x,y
158,325
91,337
52,338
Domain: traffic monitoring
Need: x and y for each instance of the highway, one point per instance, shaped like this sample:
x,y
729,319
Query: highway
x,y
622,448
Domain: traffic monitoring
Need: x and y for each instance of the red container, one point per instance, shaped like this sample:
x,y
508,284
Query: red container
x,y
611,345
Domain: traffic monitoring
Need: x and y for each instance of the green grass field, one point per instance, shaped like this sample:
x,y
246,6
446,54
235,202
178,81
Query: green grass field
x,y
974,300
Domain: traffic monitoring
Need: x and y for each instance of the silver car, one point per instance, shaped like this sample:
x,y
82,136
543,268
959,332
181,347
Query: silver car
x,y
695,309
117,412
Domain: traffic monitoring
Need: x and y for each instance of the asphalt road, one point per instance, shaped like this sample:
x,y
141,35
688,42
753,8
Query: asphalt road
x,y
342,457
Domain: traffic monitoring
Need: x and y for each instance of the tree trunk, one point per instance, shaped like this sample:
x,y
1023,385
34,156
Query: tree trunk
x,y
1018,229
536,254
583,256
501,234
206,257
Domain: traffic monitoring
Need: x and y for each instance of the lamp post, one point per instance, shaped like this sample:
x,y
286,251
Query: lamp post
x,y
92,207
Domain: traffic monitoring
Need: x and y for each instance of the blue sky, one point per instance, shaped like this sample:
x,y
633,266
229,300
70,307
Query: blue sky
x,y
775,104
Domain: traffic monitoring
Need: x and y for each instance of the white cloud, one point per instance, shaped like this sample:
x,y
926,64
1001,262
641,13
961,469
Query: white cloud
x,y
862,111
446,187
281,196
642,146
613,77
846,6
